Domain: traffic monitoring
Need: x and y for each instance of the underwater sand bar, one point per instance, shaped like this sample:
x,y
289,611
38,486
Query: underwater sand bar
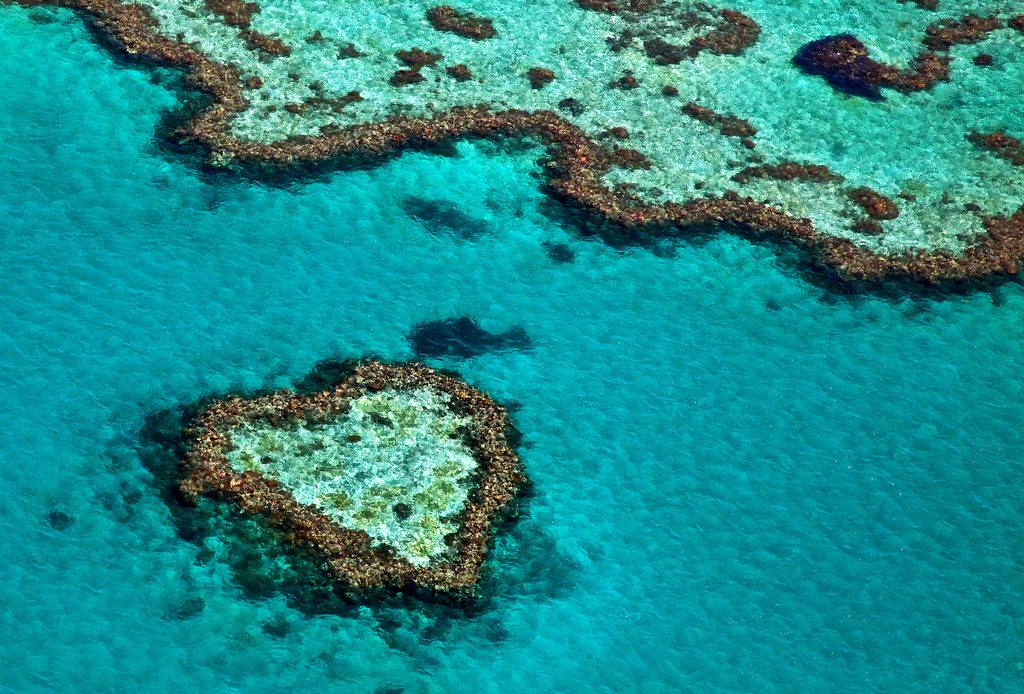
x,y
392,478
582,169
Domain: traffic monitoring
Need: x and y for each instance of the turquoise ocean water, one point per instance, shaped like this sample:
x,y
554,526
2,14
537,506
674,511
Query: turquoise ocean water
x,y
743,482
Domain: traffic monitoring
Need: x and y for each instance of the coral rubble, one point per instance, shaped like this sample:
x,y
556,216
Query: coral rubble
x,y
392,477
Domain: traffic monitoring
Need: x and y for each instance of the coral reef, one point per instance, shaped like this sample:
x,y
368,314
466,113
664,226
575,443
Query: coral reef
x,y
287,93
392,477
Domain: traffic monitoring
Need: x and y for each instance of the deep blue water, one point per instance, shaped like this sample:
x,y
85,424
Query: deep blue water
x,y
743,482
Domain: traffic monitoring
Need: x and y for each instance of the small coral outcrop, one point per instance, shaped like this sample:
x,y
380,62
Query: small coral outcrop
x,y
464,24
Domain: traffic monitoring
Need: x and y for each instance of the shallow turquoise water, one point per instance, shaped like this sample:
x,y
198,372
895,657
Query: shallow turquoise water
x,y
742,483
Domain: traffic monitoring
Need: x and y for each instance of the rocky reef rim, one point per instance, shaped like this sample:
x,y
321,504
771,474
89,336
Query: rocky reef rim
x,y
574,171
348,556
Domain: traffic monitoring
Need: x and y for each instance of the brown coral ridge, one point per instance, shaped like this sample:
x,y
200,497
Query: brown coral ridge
x,y
944,34
464,24
727,125
347,555
1000,144
575,170
789,171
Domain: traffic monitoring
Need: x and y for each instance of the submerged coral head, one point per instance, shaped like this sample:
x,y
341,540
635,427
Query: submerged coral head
x,y
392,478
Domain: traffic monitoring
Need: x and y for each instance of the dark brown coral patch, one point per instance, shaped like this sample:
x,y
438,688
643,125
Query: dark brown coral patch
x,y
349,50
1017,23
617,6
572,106
876,205
732,35
664,53
627,81
868,227
983,60
417,58
460,72
728,32
400,78
844,62
1000,144
727,125
464,24
789,171
335,103
630,159
236,13
539,77
943,35
268,47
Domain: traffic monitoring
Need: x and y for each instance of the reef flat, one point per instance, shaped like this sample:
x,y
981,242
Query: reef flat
x,y
391,478
660,116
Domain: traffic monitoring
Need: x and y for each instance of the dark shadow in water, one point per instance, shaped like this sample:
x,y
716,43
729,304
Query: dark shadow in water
x,y
59,519
463,337
525,563
443,217
43,15
559,253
